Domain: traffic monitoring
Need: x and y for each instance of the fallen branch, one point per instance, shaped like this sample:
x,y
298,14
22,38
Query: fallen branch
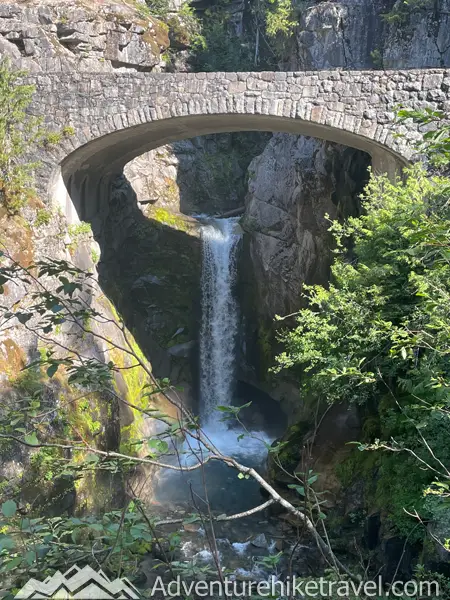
x,y
241,515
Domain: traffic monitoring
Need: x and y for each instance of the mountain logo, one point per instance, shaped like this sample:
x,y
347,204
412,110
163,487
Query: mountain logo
x,y
79,584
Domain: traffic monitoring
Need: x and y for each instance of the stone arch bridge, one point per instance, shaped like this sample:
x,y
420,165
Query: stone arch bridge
x,y
118,116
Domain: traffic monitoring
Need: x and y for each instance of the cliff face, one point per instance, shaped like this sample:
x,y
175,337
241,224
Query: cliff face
x,y
287,227
81,36
371,34
97,416
293,182
288,189
85,36
296,181
295,187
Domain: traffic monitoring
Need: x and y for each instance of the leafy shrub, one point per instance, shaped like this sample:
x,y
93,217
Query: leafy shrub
x,y
379,336
18,131
403,9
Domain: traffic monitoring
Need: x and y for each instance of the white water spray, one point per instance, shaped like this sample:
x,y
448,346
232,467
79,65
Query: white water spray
x,y
220,315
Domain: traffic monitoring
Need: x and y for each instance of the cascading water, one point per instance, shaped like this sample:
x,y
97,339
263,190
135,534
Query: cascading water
x,y
218,341
220,315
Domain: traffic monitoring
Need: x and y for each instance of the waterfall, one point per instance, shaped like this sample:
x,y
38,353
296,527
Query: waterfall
x,y
219,315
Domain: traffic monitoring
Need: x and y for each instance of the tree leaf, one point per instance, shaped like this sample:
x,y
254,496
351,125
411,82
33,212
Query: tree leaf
x,y
9,508
12,564
31,439
30,557
52,370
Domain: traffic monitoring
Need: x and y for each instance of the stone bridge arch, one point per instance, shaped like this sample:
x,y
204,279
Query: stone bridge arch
x,y
118,116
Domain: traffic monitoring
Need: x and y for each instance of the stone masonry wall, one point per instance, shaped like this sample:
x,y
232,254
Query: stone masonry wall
x,y
145,111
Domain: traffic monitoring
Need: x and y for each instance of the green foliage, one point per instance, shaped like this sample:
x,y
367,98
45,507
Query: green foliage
x,y
435,143
219,49
95,256
379,335
18,132
380,314
79,232
185,31
157,8
280,17
68,130
39,546
377,58
42,417
43,217
403,9
216,46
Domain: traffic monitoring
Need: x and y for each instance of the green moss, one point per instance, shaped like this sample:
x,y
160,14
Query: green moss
x,y
52,138
80,232
290,454
168,218
95,256
265,347
42,463
43,217
371,428
89,414
28,381
135,379
68,130
392,484
357,465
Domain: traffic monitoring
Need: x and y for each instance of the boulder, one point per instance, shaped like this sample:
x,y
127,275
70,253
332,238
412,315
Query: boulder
x,y
182,350
260,541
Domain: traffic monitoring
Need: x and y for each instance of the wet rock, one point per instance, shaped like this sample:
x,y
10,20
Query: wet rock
x,y
147,280
241,548
281,545
398,557
260,541
182,350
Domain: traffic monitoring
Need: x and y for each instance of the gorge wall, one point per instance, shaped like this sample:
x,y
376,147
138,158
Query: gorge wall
x,y
85,36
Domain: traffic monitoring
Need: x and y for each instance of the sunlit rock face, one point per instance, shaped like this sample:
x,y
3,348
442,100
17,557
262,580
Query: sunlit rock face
x,y
296,186
52,35
40,37
357,34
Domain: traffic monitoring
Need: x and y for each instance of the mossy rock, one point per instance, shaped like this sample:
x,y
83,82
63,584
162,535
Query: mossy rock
x,y
180,33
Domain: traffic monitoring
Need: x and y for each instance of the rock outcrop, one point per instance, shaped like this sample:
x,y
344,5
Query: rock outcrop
x,y
296,186
99,417
355,34
296,181
150,268
84,36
